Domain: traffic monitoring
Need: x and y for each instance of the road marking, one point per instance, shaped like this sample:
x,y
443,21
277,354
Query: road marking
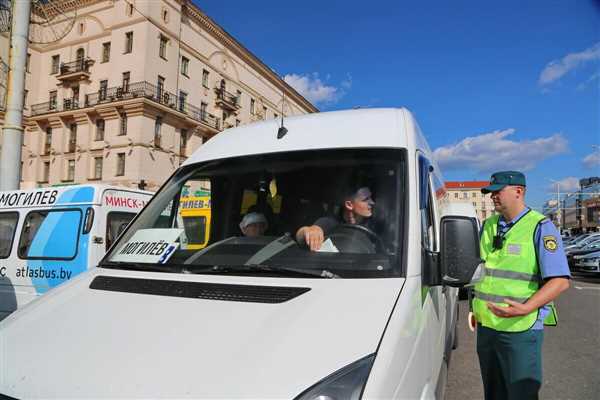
x,y
586,287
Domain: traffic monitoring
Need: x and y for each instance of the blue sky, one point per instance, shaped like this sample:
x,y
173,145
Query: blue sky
x,y
494,85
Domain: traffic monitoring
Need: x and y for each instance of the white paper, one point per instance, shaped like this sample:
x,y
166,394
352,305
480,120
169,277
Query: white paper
x,y
328,247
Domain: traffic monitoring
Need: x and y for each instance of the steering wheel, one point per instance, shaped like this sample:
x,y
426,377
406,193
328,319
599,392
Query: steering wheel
x,y
344,234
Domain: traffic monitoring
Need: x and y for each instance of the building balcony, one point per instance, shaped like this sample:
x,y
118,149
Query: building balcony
x,y
75,70
137,90
227,100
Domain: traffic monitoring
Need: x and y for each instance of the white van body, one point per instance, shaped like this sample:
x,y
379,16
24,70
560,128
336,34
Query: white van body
x,y
126,330
43,237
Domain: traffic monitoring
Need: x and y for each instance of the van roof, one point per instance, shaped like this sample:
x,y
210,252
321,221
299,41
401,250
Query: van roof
x,y
385,127
55,195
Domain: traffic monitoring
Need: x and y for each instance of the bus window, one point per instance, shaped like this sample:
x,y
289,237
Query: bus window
x,y
50,235
116,222
8,225
195,230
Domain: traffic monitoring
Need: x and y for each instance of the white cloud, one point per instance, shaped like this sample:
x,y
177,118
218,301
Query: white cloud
x,y
570,184
315,90
495,151
592,160
591,80
558,68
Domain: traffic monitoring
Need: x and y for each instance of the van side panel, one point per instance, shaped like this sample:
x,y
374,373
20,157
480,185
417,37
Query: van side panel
x,y
49,273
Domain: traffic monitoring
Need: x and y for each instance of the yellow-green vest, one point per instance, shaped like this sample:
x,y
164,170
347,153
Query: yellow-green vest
x,y
511,272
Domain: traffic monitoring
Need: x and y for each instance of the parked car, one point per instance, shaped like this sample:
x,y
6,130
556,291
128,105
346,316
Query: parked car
x,y
591,247
587,263
372,315
579,243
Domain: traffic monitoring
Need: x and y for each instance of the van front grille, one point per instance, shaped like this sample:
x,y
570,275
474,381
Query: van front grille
x,y
198,290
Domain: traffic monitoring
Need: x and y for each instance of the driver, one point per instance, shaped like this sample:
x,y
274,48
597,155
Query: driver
x,y
357,208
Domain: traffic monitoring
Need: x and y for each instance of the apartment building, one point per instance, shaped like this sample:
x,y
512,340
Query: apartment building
x,y
470,191
134,88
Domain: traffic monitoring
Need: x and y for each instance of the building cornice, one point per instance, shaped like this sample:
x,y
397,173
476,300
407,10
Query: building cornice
x,y
205,22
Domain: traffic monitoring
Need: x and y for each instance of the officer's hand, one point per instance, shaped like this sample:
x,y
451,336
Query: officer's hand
x,y
514,309
313,236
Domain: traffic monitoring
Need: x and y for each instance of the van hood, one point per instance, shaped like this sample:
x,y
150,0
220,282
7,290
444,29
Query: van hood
x,y
78,342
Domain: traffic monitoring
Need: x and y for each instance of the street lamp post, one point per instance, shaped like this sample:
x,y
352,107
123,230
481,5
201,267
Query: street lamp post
x,y
558,211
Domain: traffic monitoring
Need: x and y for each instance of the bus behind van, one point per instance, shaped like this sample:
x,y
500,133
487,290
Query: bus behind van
x,y
49,235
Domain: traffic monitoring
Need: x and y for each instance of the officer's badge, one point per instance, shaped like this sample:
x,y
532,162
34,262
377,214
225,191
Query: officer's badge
x,y
550,243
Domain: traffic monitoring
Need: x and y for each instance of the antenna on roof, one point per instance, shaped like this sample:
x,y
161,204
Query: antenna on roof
x,y
282,131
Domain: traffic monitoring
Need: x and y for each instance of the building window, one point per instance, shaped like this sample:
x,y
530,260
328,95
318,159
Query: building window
x,y
106,52
55,64
157,129
70,170
203,112
72,138
98,167
80,56
129,9
128,42
264,112
162,49
183,142
103,90
182,100
123,127
275,115
205,78
160,87
456,195
126,79
465,195
475,204
252,106
52,99
45,172
165,15
484,214
81,28
185,65
48,144
474,195
120,164
237,122
28,62
99,129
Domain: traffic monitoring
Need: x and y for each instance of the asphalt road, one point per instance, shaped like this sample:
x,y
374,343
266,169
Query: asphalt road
x,y
571,357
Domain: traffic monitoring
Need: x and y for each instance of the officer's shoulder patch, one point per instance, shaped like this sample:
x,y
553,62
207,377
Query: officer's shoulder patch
x,y
550,243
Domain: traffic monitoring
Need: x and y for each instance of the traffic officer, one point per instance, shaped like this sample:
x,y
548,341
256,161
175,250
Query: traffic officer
x,y
525,270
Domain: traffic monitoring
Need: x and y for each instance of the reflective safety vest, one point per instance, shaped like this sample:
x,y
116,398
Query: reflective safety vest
x,y
511,272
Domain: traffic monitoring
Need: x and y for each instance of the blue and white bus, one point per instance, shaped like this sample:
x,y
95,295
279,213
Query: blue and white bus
x,y
49,235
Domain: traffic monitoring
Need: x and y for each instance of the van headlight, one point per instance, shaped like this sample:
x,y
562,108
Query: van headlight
x,y
344,384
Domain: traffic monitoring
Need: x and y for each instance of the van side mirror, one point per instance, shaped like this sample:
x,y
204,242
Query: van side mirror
x,y
459,255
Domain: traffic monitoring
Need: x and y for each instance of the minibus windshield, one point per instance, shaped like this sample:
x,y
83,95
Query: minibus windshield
x,y
242,216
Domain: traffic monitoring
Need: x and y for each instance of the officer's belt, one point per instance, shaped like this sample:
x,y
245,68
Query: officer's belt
x,y
520,276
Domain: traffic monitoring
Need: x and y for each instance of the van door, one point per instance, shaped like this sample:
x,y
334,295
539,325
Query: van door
x,y
8,227
433,297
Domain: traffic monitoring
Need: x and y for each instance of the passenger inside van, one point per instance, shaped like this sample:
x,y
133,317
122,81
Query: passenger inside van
x,y
254,224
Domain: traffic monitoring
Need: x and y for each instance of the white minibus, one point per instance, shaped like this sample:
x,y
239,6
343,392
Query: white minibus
x,y
49,235
371,314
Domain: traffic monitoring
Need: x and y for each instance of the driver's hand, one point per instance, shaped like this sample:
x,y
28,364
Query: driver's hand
x,y
313,236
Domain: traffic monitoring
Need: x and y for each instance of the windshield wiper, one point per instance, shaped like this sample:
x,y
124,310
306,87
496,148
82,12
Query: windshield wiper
x,y
201,269
138,266
293,271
